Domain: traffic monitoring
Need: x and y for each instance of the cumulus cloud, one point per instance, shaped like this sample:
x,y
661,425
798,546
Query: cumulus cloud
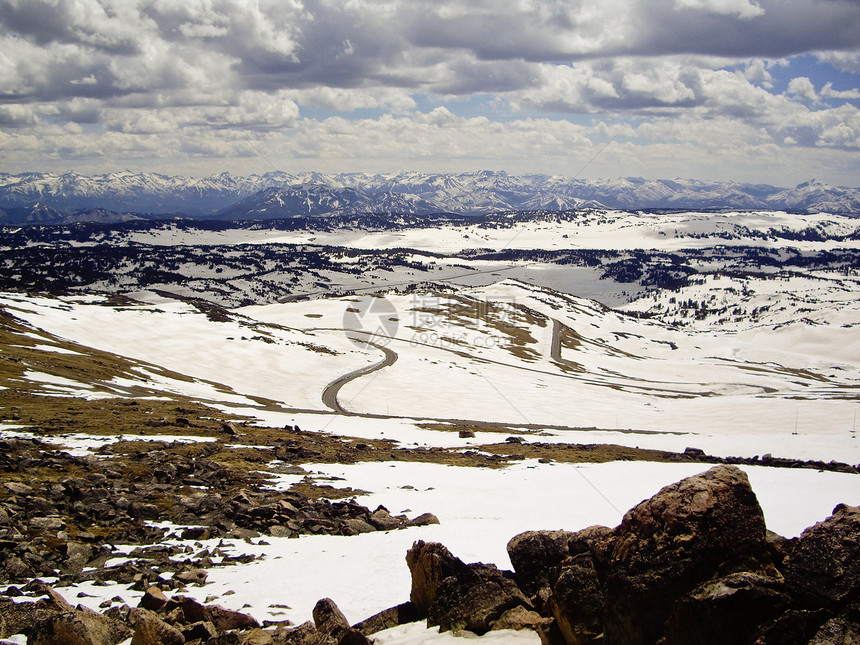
x,y
828,92
350,99
203,78
801,86
255,110
16,115
848,61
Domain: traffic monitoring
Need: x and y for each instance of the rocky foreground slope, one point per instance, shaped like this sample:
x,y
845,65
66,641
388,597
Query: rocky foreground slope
x,y
694,564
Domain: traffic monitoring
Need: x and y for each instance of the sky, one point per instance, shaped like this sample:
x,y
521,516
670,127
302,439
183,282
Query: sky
x,y
754,91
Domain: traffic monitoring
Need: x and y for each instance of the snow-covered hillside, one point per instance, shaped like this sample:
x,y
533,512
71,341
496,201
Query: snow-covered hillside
x,y
526,356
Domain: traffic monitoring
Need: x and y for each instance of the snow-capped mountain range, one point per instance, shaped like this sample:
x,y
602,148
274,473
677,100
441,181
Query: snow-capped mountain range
x,y
52,198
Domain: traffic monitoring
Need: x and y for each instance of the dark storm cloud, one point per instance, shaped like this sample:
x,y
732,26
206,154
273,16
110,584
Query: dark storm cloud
x,y
46,22
506,30
112,49
337,47
469,77
492,31
782,29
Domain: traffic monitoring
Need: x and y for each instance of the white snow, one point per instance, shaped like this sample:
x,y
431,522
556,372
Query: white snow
x,y
594,230
772,384
413,633
79,444
50,348
486,354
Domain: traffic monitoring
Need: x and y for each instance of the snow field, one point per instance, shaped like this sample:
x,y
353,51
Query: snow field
x,y
730,393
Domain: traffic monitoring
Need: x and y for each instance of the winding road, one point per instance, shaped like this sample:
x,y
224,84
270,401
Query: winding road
x,y
329,395
571,370
331,391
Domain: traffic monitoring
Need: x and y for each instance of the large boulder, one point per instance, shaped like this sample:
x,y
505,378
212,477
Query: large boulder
x,y
429,564
475,599
577,601
536,555
457,596
701,527
824,566
842,629
726,611
794,627
329,619
79,627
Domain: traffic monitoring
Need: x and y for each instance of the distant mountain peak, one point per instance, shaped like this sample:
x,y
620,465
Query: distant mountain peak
x,y
279,194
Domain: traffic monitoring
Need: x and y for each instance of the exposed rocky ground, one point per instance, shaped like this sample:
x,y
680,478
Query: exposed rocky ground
x,y
58,513
693,564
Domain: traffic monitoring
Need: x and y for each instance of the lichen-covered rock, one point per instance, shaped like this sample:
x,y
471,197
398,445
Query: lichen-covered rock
x,y
457,596
149,629
703,526
474,599
535,555
226,619
726,611
153,599
306,634
21,617
425,519
79,627
520,618
429,564
842,629
202,630
794,627
329,619
824,566
388,618
578,600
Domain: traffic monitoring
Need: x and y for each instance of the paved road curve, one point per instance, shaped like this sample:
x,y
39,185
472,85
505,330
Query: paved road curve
x,y
329,395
